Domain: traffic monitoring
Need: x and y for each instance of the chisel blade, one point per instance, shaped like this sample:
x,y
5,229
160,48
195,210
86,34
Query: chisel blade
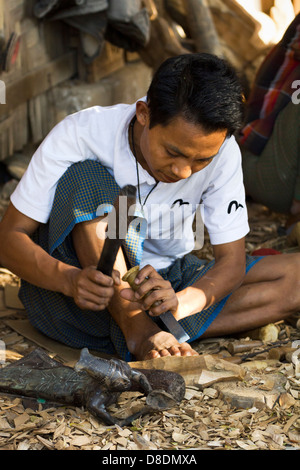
x,y
174,327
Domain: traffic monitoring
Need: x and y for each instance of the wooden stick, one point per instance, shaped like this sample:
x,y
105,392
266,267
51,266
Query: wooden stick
x,y
256,353
243,346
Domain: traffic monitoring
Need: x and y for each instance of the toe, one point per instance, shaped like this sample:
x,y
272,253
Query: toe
x,y
175,351
165,352
186,350
153,354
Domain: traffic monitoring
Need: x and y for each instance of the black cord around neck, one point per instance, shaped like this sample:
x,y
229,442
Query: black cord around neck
x,y
137,166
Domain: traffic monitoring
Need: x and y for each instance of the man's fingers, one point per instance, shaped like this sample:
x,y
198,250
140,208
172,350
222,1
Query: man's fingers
x,y
99,297
128,294
152,284
85,304
146,272
160,300
116,277
98,277
94,289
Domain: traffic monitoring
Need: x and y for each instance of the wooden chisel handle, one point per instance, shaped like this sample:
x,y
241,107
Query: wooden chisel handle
x,y
108,256
112,245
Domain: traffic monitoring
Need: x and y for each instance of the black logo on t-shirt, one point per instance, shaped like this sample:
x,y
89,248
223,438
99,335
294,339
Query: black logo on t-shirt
x,y
236,204
180,202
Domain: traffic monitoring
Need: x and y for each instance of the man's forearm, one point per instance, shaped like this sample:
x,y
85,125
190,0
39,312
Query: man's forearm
x,y
220,281
30,262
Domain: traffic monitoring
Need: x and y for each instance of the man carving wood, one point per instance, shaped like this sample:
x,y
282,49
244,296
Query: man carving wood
x,y
175,144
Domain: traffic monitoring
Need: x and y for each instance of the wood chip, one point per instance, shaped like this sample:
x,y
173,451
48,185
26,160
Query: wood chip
x,y
294,437
290,423
80,441
22,419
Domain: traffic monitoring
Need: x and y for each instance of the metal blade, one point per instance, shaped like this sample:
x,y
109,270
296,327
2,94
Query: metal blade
x,y
174,327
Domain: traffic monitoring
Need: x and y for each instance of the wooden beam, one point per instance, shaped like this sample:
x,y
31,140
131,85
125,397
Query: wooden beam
x,y
162,45
202,27
38,81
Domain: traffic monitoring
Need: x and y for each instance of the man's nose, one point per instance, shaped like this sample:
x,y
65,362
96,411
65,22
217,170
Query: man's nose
x,y
182,169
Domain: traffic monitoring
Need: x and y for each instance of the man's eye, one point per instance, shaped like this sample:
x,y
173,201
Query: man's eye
x,y
171,154
207,160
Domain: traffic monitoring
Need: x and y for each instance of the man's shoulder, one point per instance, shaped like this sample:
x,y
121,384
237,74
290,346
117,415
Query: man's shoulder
x,y
229,157
93,124
100,113
230,145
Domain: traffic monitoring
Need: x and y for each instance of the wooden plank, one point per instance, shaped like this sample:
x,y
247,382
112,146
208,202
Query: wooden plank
x,y
14,132
110,60
39,81
20,128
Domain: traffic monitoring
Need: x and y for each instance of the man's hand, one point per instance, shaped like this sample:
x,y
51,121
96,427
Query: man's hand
x,y
93,290
154,293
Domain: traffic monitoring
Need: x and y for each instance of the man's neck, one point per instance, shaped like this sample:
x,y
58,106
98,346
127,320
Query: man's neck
x,y
134,140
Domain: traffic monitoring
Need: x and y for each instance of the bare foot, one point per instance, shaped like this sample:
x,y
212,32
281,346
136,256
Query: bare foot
x,y
183,349
151,342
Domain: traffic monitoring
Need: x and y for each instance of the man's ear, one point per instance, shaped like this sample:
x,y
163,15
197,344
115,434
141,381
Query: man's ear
x,y
142,113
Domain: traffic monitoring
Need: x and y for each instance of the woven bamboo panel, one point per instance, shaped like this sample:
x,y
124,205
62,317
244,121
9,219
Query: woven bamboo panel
x,y
32,62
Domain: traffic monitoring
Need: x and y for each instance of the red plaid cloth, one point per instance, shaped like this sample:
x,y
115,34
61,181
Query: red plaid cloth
x,y
272,89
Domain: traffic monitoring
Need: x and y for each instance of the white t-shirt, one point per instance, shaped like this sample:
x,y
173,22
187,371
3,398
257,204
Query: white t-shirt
x,y
101,133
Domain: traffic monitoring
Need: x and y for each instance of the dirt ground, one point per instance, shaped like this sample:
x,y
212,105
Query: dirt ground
x,y
258,411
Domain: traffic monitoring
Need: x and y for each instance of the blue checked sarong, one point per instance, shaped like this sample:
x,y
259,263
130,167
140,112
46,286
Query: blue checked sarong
x,y
81,190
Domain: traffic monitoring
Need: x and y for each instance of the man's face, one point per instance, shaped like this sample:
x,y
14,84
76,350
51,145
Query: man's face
x,y
178,150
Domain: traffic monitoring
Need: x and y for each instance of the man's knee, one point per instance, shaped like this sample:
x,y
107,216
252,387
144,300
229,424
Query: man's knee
x,y
88,238
289,291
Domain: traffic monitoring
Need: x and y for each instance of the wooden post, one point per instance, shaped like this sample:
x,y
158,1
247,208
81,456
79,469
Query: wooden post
x,y
202,27
162,45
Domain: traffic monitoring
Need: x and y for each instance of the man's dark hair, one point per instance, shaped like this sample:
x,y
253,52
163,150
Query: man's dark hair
x,y
201,88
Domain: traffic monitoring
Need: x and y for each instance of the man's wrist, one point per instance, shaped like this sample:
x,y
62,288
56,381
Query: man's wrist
x,y
68,275
190,301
